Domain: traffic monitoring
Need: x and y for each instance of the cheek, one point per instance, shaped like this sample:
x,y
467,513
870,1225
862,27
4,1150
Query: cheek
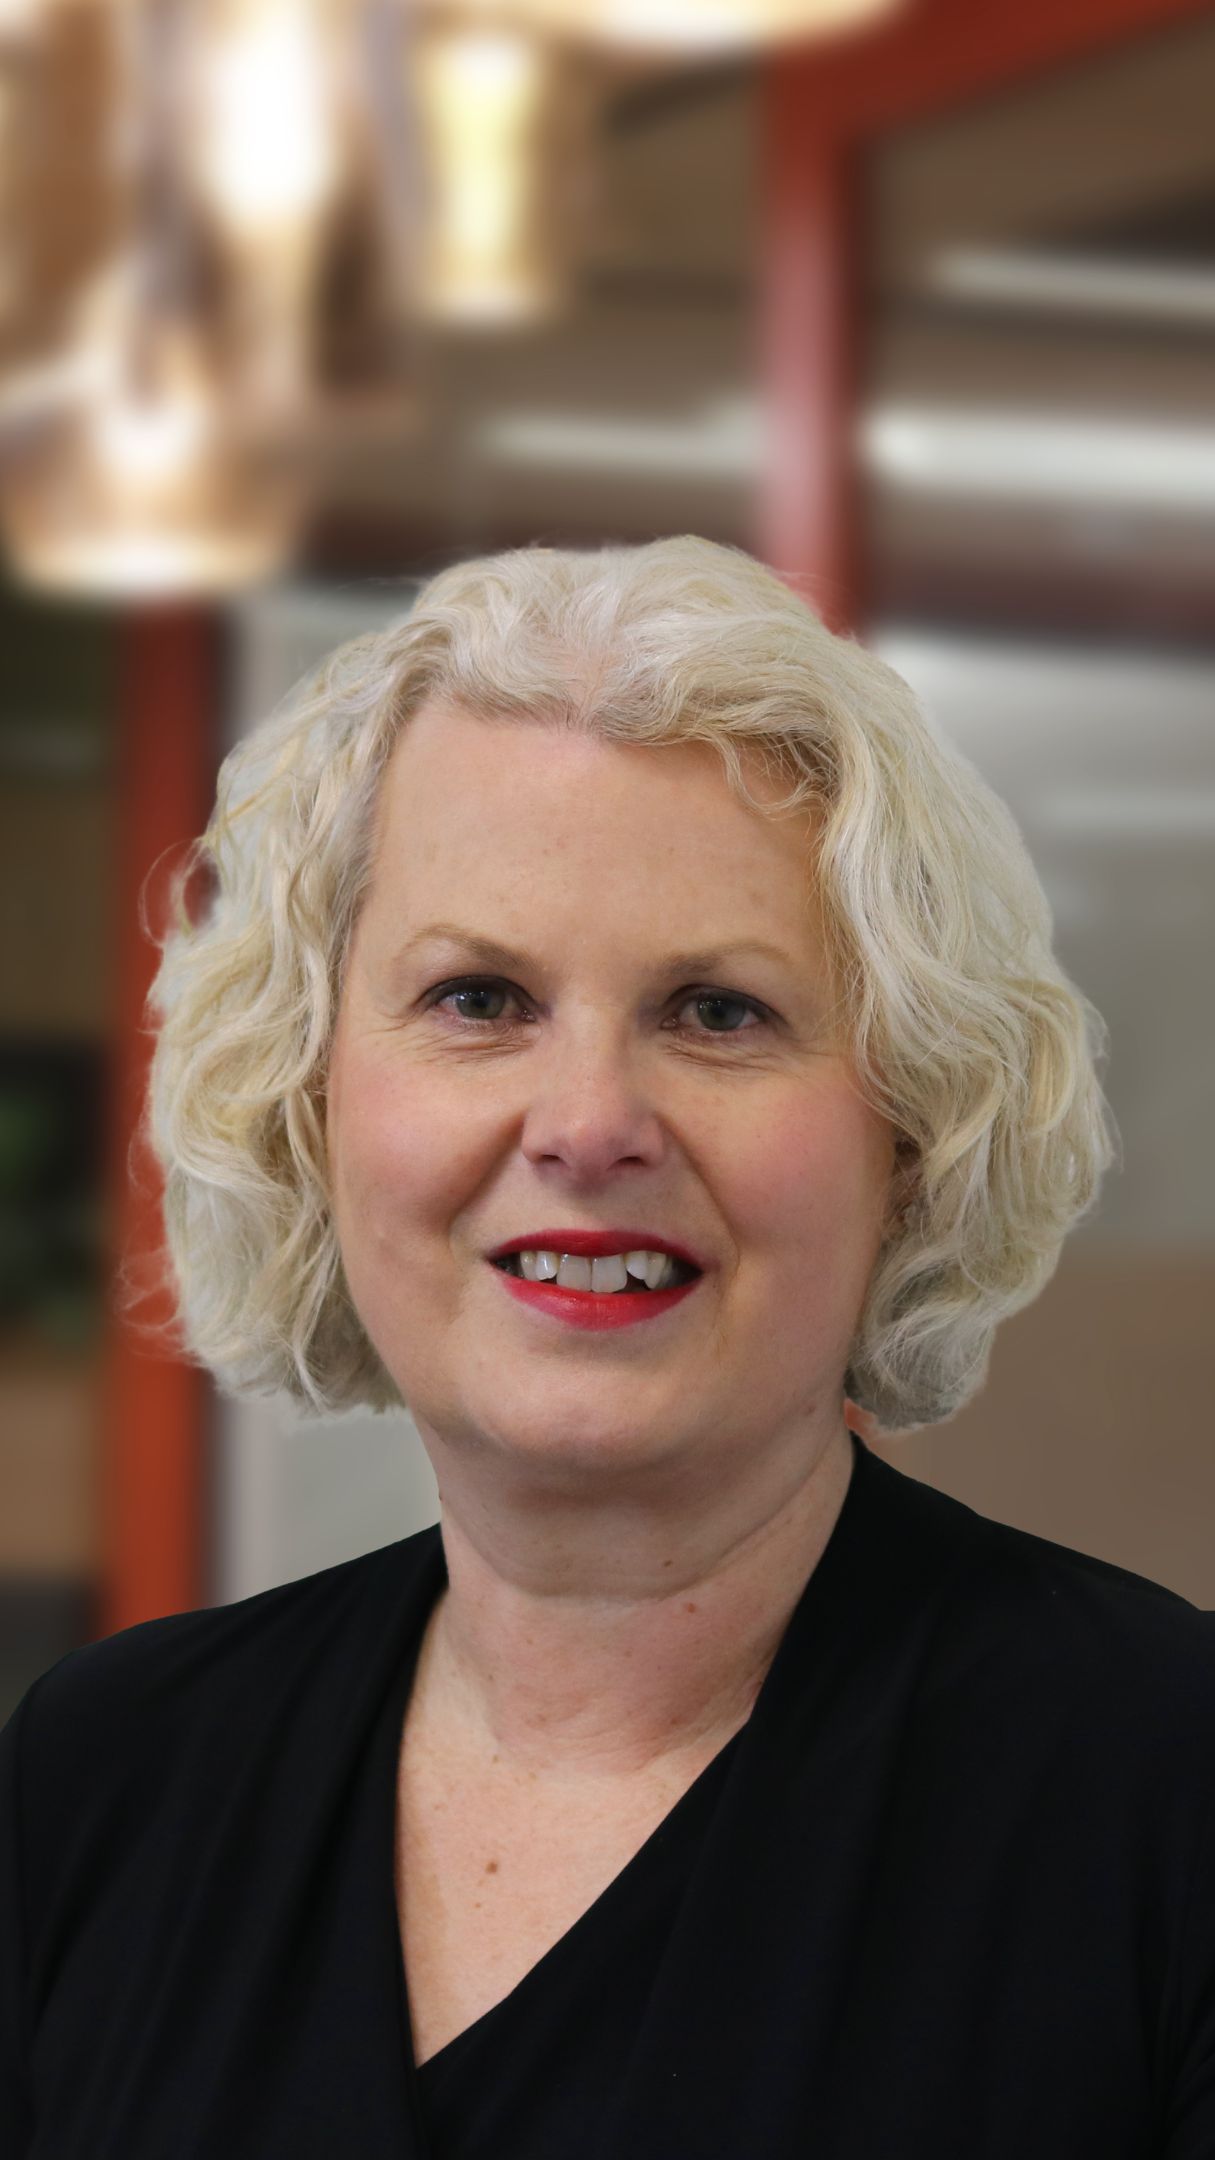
x,y
809,1177
403,1151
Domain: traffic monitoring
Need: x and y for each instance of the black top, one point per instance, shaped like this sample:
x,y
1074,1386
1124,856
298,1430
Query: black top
x,y
948,1895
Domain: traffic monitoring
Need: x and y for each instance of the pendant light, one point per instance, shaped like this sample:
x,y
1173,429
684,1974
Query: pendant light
x,y
699,26
161,449
494,104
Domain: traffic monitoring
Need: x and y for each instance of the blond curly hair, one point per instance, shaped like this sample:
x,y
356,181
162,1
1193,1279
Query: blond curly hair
x,y
963,1029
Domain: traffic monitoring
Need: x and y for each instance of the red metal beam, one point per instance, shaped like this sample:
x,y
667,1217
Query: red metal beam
x,y
153,1444
822,110
811,253
937,53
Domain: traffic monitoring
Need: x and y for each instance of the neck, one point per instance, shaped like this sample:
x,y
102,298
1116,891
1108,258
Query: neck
x,y
615,1638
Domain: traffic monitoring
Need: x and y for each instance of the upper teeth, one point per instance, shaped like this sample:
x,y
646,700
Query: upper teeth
x,y
610,1272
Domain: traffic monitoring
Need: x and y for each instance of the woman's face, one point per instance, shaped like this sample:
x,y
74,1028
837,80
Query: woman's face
x,y
588,1075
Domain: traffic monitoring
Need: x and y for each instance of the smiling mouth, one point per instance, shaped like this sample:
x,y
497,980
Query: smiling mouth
x,y
677,1273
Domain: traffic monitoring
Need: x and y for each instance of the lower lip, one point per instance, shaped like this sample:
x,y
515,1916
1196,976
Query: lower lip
x,y
594,1308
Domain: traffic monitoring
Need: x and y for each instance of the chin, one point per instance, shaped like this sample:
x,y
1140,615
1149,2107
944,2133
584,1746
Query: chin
x,y
543,1431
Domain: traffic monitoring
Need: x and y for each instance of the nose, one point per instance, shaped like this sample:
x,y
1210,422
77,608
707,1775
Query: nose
x,y
590,1110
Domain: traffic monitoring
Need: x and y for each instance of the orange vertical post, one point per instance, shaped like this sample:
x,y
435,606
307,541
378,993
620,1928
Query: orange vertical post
x,y
153,1471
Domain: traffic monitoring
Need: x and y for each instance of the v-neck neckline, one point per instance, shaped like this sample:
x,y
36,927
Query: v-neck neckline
x,y
621,1884
387,1753
624,1884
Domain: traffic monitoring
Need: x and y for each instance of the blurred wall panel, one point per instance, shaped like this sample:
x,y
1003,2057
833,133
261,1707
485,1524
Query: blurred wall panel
x,y
1095,1426
54,955
57,826
1038,434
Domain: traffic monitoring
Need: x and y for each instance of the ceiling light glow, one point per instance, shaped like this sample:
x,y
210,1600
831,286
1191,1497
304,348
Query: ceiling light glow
x,y
1038,457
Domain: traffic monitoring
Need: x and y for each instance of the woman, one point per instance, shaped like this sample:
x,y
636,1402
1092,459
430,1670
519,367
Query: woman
x,y
624,1034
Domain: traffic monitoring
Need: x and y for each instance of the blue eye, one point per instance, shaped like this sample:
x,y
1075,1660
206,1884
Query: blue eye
x,y
468,998
717,999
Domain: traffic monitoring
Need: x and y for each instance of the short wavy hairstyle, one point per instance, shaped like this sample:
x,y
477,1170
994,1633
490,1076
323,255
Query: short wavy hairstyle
x,y
963,1029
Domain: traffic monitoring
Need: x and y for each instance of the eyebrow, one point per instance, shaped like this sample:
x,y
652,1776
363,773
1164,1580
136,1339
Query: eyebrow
x,y
491,954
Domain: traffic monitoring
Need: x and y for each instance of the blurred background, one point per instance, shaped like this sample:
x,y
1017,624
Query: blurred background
x,y
299,302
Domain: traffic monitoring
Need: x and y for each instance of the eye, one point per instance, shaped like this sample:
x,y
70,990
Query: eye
x,y
715,1006
493,988
472,995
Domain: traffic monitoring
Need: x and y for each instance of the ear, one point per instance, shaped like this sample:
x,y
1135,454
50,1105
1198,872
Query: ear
x,y
861,1421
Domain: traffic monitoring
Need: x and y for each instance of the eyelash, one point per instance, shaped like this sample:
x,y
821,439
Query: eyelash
x,y
442,991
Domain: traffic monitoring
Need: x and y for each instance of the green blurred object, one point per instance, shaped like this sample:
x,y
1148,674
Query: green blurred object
x,y
51,1262
27,1141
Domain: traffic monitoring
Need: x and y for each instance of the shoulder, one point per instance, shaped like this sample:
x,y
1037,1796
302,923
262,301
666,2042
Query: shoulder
x,y
116,1716
1111,1647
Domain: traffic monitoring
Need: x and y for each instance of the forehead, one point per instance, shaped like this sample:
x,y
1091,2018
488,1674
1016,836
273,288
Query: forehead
x,y
477,790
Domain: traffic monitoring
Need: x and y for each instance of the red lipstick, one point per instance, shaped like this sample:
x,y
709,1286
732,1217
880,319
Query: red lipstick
x,y
595,1309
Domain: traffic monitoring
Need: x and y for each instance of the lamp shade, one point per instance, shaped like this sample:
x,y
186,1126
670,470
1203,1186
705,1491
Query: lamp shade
x,y
152,487
706,26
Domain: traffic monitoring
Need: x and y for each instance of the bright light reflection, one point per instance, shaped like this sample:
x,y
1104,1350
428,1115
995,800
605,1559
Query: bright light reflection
x,y
723,442
700,25
482,95
268,151
19,19
1042,457
1077,284
148,441
152,565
